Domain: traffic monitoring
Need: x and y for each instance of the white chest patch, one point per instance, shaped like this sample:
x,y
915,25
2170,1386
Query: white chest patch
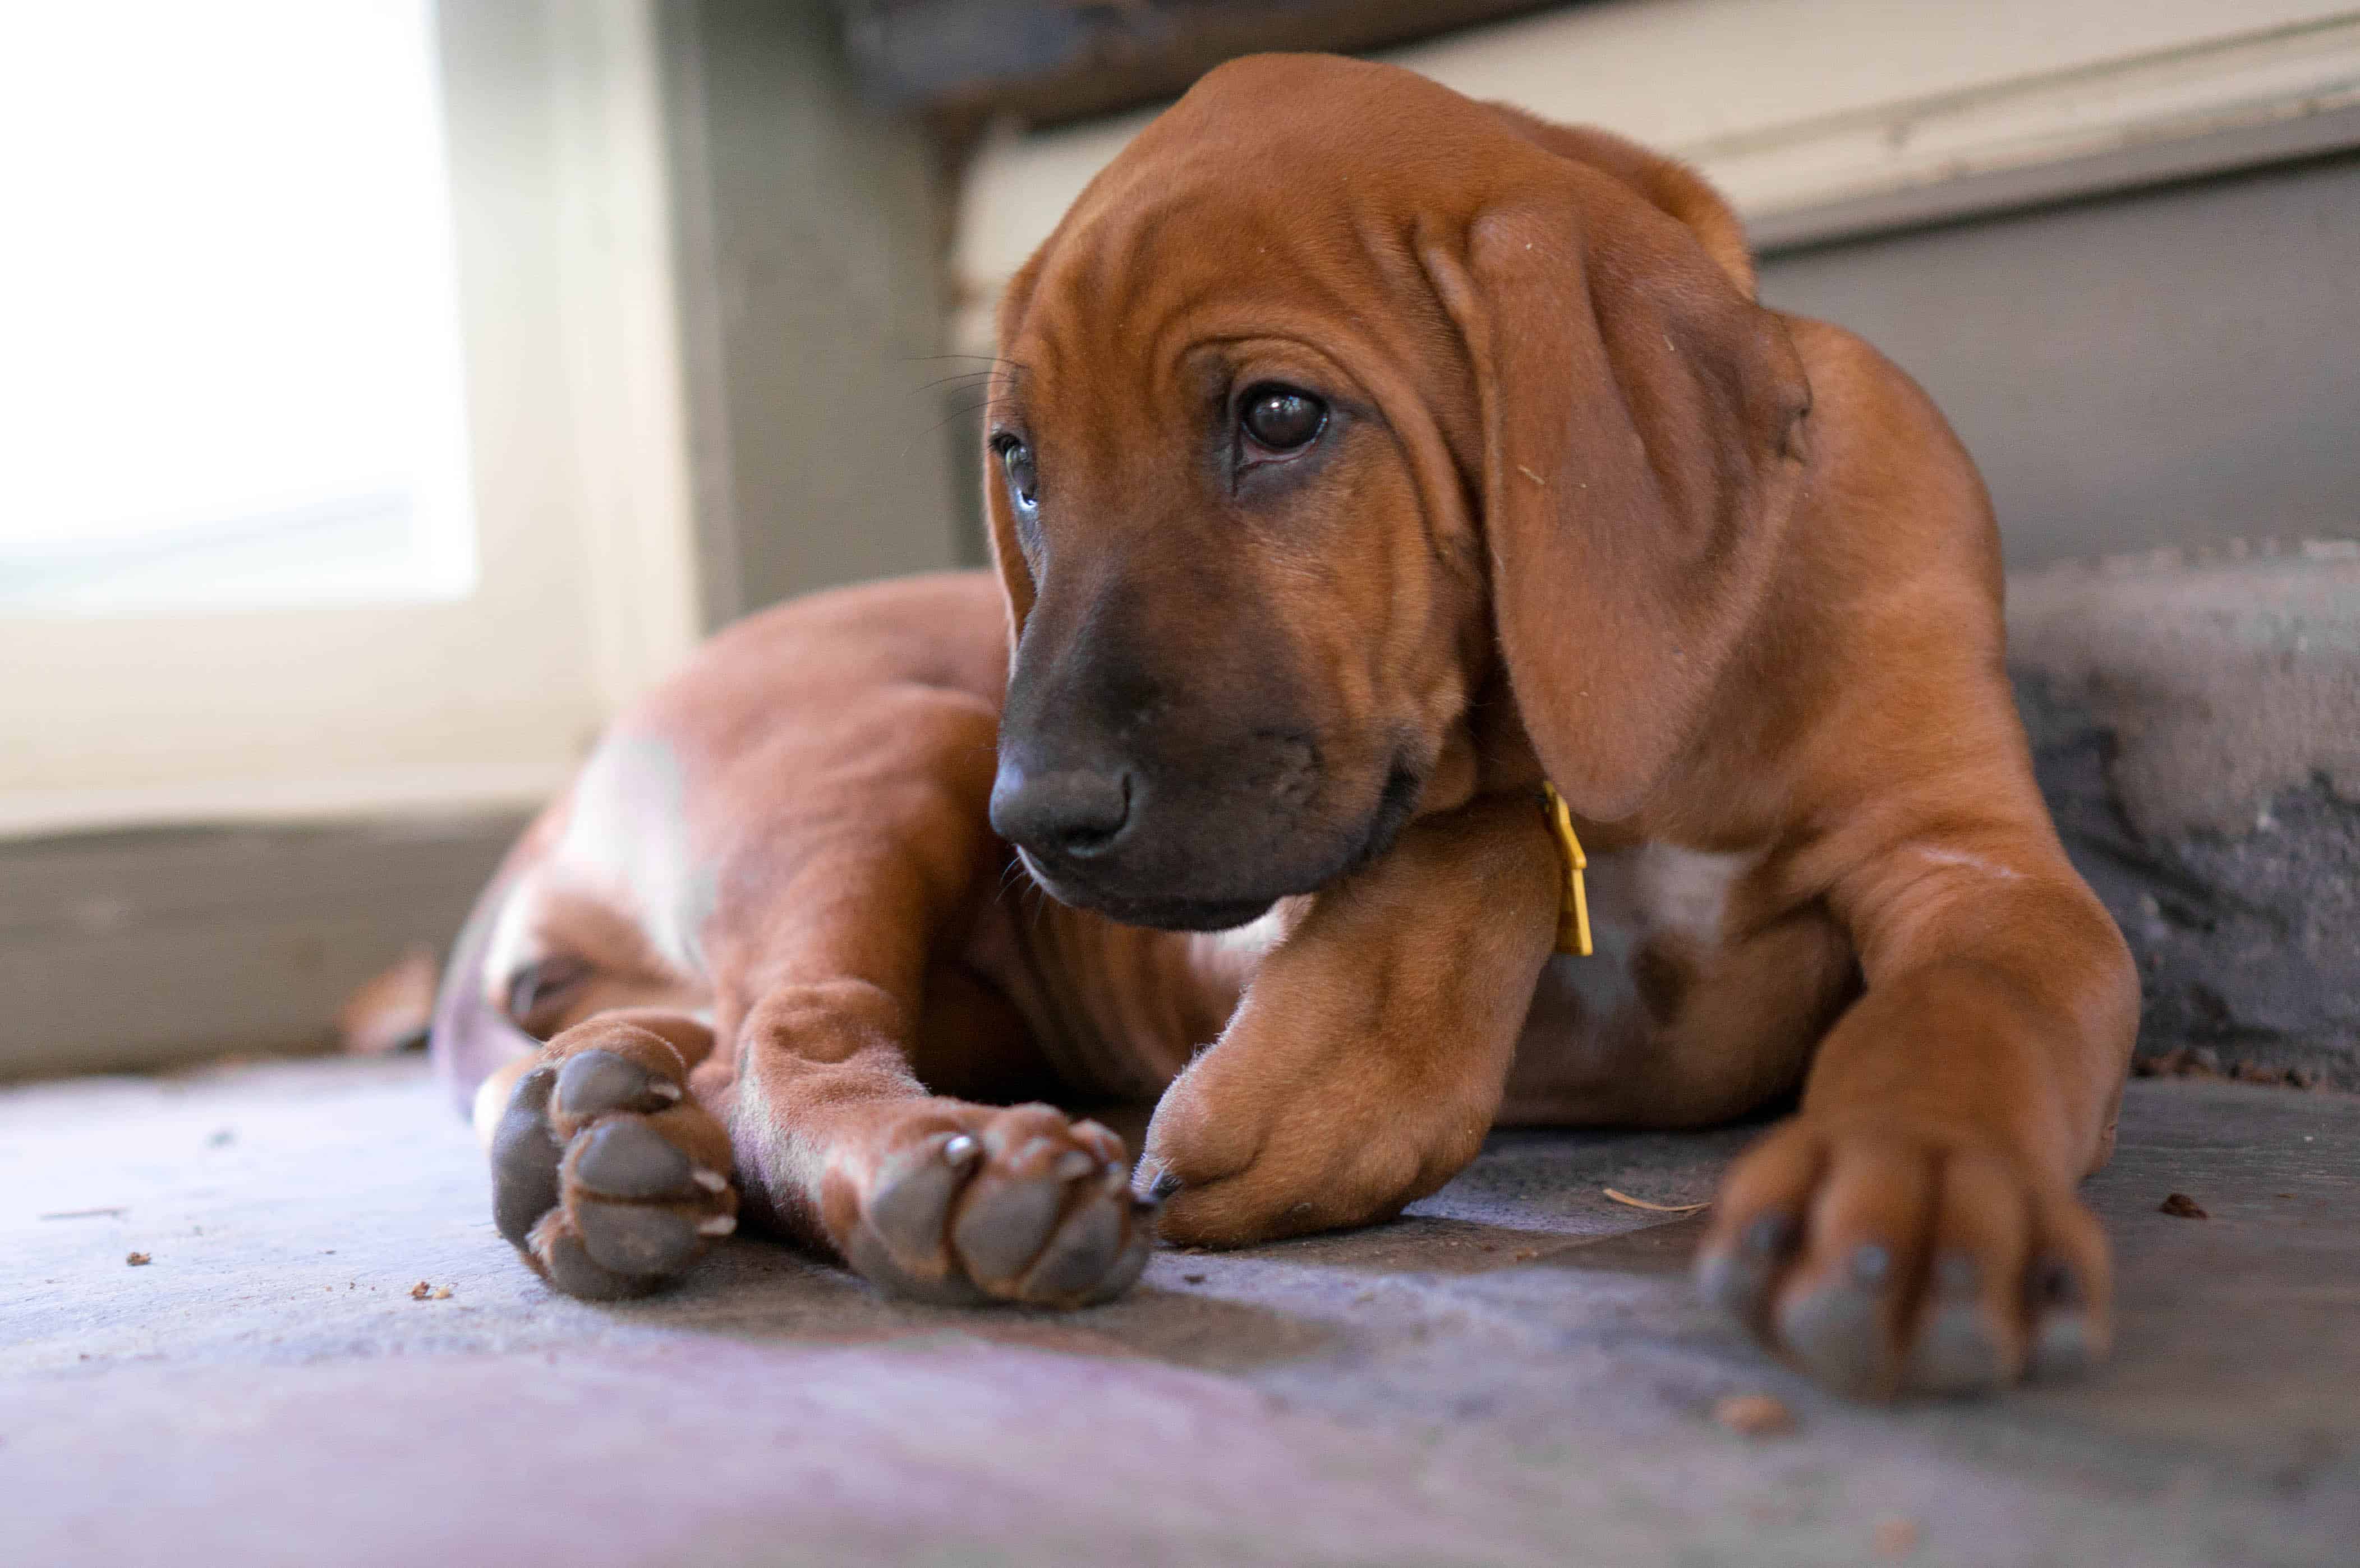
x,y
1635,895
1241,948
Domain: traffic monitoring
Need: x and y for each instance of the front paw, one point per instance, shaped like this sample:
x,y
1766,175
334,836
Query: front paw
x,y
1884,1261
962,1205
608,1180
1238,1155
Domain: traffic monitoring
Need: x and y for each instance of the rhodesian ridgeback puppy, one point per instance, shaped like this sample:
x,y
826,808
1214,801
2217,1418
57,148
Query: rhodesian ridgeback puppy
x,y
1369,465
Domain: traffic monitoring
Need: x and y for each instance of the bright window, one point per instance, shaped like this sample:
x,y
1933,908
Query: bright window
x,y
342,459
231,371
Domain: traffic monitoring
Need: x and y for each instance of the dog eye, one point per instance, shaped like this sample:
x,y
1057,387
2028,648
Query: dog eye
x,y
1016,461
1281,418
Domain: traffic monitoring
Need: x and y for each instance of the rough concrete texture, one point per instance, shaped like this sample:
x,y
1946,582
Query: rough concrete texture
x,y
2196,725
1517,1373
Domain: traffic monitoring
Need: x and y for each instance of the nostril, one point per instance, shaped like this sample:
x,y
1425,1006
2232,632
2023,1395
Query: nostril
x,y
1096,811
1082,843
1073,814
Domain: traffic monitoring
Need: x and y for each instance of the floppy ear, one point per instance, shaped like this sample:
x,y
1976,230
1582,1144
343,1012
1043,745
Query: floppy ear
x,y
1643,435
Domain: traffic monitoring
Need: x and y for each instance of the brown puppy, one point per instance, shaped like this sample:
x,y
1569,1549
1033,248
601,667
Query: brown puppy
x,y
1370,455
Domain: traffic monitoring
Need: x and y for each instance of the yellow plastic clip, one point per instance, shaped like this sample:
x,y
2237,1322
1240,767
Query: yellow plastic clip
x,y
1573,899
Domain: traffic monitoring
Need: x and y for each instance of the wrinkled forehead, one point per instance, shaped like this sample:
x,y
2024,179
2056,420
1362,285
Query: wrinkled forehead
x,y
1139,278
1234,215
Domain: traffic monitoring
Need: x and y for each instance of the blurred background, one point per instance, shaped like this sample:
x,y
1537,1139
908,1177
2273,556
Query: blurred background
x,y
390,389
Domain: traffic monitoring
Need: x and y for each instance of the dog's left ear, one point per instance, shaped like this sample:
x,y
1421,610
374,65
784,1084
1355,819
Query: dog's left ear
x,y
1643,423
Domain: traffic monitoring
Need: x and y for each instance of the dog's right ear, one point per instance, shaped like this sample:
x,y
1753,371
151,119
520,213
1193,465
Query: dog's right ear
x,y
1643,430
1015,576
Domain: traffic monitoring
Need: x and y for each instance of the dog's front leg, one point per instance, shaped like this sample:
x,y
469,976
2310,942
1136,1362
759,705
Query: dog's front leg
x,y
1915,1225
1368,1059
930,1197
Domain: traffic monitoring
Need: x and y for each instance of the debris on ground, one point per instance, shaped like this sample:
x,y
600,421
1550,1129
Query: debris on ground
x,y
1629,1201
391,1011
137,1259
2201,1062
2181,1206
83,1214
443,1293
1753,1415
420,1290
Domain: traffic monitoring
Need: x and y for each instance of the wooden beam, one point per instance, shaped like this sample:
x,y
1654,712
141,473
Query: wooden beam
x,y
1046,62
134,951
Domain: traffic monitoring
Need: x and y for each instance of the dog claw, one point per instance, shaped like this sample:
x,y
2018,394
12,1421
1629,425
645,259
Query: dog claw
x,y
719,1225
960,1149
711,1180
1162,1185
1074,1162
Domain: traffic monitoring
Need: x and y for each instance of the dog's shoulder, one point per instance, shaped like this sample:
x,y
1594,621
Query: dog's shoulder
x,y
1893,497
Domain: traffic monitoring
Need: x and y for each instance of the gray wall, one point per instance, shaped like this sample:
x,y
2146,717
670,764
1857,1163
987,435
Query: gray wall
x,y
2175,365
812,235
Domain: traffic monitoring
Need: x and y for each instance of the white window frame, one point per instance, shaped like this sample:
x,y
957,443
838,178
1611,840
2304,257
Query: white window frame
x,y
586,584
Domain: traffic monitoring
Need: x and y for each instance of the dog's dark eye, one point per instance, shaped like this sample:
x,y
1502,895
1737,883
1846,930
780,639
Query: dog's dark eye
x,y
1281,418
1016,461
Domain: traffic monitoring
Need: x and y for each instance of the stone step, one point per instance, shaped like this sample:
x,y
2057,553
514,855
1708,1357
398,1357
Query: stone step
x,y
2195,725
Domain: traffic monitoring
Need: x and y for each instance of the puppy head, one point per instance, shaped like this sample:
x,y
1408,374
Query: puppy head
x,y
1334,396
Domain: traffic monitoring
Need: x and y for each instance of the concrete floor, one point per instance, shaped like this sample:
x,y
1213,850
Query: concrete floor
x,y
1515,1374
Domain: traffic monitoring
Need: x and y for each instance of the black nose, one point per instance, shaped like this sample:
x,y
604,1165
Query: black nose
x,y
1071,813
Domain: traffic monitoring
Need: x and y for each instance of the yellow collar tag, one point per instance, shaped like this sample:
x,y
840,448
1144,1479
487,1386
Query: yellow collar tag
x,y
1572,899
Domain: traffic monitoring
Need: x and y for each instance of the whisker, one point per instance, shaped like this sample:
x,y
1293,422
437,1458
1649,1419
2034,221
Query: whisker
x,y
992,364
1012,876
966,377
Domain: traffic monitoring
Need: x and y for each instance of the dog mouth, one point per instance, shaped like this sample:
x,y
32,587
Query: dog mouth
x,y
1168,913
1396,803
1178,912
